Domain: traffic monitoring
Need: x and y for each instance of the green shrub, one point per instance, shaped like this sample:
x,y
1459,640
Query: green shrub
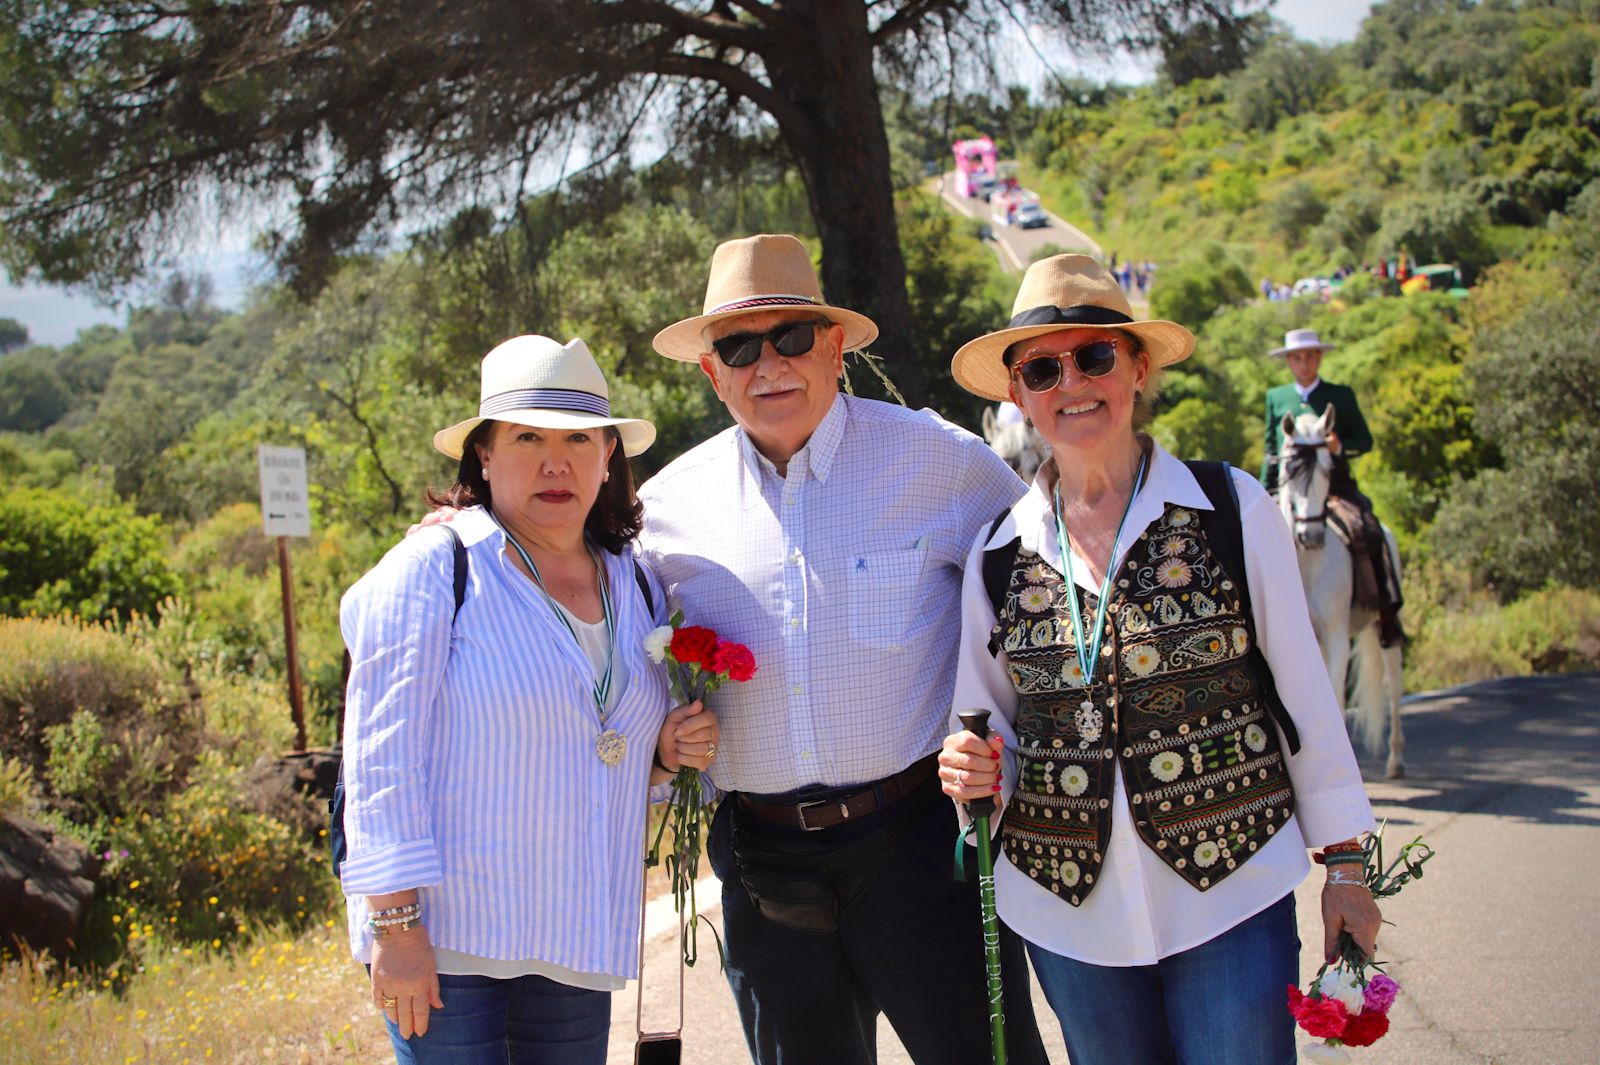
x,y
1197,286
51,669
1556,630
18,793
59,555
205,868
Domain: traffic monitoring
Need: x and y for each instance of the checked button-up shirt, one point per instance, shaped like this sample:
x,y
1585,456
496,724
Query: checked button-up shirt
x,y
843,578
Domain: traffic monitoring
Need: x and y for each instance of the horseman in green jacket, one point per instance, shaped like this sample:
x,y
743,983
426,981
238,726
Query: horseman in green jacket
x,y
1310,394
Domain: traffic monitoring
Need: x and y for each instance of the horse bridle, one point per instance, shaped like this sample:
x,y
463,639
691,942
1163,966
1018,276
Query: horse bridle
x,y
1300,460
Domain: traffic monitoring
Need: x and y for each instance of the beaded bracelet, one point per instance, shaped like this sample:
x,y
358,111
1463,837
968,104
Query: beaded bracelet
x,y
1344,858
385,929
379,922
398,911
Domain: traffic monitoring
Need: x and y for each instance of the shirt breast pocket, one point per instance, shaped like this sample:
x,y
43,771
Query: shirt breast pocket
x,y
884,588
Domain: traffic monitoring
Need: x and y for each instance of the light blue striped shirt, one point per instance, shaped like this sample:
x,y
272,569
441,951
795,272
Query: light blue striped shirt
x,y
470,764
844,578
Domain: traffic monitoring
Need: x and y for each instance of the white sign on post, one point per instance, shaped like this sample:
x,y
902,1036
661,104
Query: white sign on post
x,y
285,509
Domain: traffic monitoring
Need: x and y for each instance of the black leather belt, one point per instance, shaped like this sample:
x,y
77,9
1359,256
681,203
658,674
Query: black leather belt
x,y
813,815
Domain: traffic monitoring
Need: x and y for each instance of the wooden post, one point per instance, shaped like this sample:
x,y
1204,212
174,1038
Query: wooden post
x,y
296,707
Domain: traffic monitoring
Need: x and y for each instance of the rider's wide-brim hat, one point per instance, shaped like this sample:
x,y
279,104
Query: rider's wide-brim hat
x,y
767,272
1300,340
1063,292
533,380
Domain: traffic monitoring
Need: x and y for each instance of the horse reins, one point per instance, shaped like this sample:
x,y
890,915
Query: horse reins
x,y
1300,462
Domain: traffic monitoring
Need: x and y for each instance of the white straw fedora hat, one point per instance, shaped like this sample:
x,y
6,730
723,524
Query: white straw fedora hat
x,y
533,380
761,273
1062,292
1300,340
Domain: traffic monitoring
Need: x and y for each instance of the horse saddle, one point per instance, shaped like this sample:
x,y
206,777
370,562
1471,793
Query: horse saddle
x,y
1359,530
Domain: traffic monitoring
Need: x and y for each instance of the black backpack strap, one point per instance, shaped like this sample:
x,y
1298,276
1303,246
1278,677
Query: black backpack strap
x,y
644,588
997,564
459,561
1225,536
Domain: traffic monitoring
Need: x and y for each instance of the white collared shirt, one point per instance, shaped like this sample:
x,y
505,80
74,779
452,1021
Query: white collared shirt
x,y
1306,390
842,577
470,764
1140,910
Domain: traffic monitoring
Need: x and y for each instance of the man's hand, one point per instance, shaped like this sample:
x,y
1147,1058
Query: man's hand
x,y
436,517
1334,447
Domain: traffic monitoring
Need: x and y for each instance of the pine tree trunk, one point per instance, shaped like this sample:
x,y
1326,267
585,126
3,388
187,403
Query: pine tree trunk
x,y
842,150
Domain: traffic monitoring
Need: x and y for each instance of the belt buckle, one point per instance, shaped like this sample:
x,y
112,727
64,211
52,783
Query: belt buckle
x,y
801,808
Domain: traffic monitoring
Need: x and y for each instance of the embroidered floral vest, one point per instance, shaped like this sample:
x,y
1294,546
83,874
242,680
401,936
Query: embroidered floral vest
x,y
1175,704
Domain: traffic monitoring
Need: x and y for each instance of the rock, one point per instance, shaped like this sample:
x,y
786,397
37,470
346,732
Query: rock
x,y
46,886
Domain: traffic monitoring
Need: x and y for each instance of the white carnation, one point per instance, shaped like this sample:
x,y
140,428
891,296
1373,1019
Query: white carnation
x,y
1341,984
655,644
1323,1054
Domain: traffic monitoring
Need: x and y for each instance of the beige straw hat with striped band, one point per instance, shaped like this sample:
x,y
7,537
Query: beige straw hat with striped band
x,y
767,272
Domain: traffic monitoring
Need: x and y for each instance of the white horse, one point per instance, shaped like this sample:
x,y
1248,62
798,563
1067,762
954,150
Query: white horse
x,y
1347,635
1018,442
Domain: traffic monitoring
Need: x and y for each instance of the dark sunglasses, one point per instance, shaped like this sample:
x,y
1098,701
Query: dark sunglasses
x,y
1041,373
789,339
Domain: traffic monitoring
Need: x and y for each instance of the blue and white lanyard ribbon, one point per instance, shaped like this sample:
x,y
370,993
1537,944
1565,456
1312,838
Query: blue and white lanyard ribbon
x,y
1089,658
602,687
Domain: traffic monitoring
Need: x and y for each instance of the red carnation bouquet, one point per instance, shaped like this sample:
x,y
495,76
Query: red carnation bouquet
x,y
1345,1006
698,662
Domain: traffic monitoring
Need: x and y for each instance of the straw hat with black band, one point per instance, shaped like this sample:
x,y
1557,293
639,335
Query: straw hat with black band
x,y
533,380
1063,292
767,272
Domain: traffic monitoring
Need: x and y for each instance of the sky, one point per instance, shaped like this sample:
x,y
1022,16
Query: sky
x,y
54,316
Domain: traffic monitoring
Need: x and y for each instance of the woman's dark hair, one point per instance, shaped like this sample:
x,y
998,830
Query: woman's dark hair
x,y
613,521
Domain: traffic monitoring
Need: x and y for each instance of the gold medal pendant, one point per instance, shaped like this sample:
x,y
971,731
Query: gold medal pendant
x,y
611,745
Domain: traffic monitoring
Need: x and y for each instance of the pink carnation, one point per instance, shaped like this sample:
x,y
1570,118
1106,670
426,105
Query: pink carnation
x,y
1380,993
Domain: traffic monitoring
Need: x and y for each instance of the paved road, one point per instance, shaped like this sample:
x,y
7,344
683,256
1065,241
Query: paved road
x,y
1490,948
1015,246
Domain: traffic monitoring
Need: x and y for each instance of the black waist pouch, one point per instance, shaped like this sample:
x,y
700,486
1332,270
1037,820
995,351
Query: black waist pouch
x,y
804,887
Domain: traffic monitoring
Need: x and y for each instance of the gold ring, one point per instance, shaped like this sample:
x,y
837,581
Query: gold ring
x,y
390,1002
711,750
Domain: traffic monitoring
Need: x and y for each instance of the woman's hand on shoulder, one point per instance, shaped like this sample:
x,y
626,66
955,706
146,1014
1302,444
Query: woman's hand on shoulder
x,y
403,971
969,767
688,738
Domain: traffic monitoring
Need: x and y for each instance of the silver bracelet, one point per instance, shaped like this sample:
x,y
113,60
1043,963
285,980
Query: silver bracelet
x,y
1353,881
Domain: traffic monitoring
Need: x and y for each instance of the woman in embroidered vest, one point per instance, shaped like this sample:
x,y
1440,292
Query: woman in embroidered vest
x,y
498,753
1158,799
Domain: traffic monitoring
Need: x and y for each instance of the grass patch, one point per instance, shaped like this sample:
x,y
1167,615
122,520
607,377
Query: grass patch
x,y
280,997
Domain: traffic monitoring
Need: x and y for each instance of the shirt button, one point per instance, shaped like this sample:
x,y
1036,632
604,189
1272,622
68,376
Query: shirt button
x,y
797,689
806,755
794,623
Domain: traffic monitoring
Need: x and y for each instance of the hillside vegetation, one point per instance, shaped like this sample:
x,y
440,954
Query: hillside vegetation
x,y
141,647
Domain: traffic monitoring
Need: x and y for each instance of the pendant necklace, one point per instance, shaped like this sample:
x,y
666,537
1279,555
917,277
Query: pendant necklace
x,y
610,745
1089,658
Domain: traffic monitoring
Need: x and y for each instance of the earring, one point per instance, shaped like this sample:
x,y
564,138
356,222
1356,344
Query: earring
x,y
607,477
486,473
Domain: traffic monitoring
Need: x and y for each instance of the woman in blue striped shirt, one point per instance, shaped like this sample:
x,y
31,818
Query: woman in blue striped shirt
x,y
499,746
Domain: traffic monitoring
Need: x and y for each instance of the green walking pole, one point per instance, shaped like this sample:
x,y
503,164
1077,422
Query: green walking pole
x,y
977,723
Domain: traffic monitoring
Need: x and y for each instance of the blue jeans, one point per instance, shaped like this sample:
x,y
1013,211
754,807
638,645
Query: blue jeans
x,y
1221,1003
528,1020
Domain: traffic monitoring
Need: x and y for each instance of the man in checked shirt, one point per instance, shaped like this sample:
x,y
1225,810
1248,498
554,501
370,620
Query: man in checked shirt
x,y
828,533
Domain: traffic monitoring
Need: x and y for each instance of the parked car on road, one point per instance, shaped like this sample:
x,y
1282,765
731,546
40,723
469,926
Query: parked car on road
x,y
1031,216
1318,287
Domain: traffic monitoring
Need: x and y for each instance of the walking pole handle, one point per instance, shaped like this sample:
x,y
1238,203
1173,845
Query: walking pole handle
x,y
977,723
